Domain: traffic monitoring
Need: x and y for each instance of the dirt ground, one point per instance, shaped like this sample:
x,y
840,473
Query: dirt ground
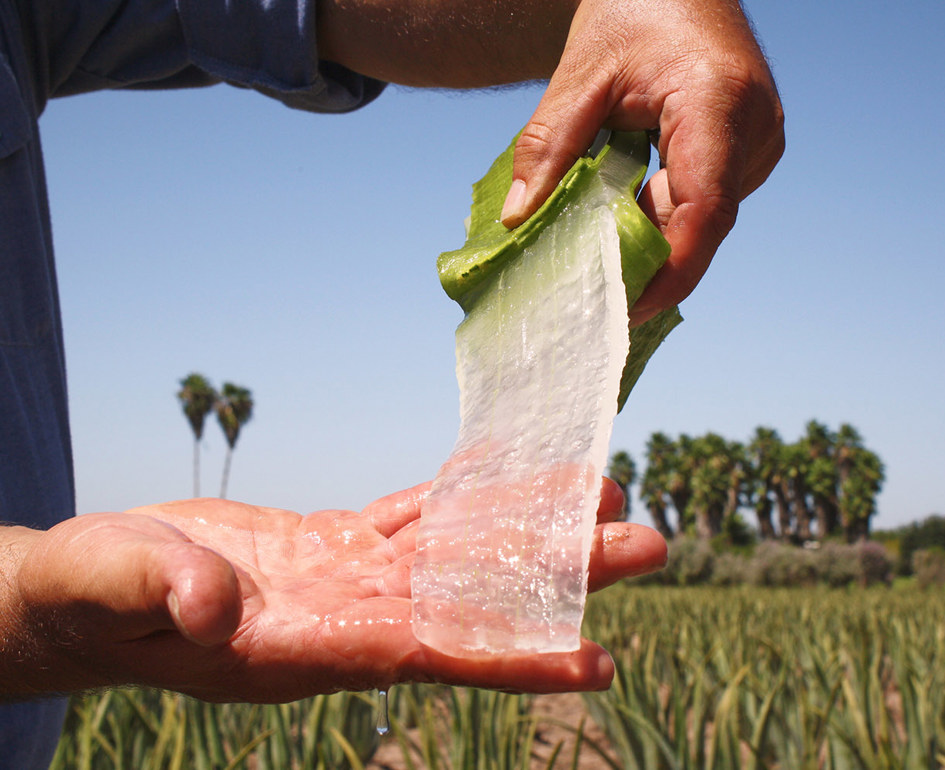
x,y
560,716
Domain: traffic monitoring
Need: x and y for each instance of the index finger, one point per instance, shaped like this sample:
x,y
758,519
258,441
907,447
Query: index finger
x,y
611,501
391,513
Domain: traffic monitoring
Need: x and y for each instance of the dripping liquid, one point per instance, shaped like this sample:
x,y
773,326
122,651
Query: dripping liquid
x,y
383,714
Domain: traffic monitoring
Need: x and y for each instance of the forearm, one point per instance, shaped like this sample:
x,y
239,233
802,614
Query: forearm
x,y
446,43
480,43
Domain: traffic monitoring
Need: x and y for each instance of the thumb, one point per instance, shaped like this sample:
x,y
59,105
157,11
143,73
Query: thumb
x,y
590,88
203,597
559,132
121,577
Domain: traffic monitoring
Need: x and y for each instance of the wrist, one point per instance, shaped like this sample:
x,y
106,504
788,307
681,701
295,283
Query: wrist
x,y
20,643
40,647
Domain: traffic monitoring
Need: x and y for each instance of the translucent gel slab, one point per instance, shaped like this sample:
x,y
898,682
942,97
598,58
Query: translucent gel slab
x,y
505,535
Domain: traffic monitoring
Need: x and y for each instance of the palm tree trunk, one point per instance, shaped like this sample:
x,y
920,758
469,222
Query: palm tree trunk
x,y
658,514
763,512
801,511
716,517
226,472
703,524
825,523
785,519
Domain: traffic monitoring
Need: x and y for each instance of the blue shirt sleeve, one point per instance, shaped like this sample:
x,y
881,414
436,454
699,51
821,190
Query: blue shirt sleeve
x,y
270,45
266,45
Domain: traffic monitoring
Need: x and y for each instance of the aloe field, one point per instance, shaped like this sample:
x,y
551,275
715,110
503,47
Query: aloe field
x,y
706,678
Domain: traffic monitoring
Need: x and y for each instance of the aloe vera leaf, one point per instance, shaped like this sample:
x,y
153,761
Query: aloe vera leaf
x,y
542,360
620,166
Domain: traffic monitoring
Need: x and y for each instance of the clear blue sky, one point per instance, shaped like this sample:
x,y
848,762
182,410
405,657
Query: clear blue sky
x,y
219,232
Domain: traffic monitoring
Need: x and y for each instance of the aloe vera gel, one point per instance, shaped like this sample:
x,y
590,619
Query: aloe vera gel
x,y
544,359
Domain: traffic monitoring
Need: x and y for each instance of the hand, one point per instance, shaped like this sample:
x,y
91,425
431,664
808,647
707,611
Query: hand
x,y
232,602
693,70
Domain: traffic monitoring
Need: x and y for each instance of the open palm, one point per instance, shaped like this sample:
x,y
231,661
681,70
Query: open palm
x,y
228,601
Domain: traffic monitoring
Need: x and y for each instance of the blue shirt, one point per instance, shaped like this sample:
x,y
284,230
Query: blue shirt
x,y
52,48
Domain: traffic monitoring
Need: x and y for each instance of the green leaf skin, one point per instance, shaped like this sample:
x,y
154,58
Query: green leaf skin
x,y
621,166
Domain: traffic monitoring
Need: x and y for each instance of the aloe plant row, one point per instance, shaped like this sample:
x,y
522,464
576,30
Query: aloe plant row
x,y
762,678
139,729
706,678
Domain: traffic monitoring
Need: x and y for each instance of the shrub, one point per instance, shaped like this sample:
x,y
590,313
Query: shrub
x,y
729,569
772,563
928,565
915,537
837,565
776,564
876,565
689,562
866,563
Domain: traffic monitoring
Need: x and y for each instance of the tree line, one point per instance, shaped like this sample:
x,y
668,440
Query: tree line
x,y
233,405
823,485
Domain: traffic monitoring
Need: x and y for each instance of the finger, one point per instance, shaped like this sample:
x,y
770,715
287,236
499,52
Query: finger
x,y
391,513
621,550
404,540
395,580
589,668
693,242
695,204
563,126
611,501
203,595
714,158
121,577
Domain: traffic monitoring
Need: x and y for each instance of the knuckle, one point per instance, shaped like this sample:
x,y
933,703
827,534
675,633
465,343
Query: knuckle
x,y
535,141
722,209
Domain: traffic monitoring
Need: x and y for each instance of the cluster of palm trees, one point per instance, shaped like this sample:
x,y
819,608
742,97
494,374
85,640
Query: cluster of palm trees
x,y
233,406
824,484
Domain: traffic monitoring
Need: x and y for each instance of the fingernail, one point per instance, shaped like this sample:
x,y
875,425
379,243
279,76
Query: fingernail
x,y
605,670
514,207
173,605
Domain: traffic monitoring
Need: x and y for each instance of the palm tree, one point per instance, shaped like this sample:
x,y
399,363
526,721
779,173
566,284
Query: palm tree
x,y
680,467
822,486
822,476
234,408
796,460
197,397
623,470
764,458
654,485
716,482
739,479
847,442
861,476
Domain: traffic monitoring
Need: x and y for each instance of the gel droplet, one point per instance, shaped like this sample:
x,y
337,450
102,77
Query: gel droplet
x,y
383,713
